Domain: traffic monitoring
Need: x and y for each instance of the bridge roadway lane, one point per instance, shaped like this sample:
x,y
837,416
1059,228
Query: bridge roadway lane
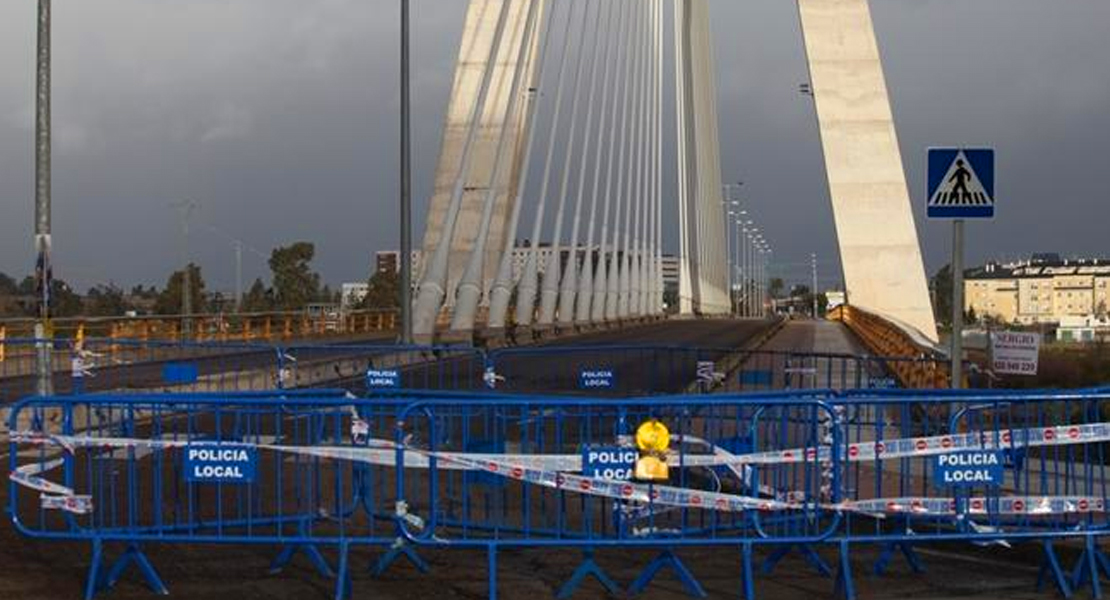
x,y
146,372
655,358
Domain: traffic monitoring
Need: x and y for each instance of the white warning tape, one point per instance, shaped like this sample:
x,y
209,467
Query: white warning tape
x,y
54,496
557,472
916,447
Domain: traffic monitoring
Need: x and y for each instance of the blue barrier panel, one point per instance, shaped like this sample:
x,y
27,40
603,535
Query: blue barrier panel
x,y
644,370
303,469
177,373
137,366
549,494
294,470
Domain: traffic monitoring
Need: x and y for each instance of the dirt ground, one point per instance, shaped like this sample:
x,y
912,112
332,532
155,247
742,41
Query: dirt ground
x,y
56,570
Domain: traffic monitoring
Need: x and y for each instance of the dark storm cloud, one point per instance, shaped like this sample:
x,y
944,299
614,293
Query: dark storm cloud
x,y
279,118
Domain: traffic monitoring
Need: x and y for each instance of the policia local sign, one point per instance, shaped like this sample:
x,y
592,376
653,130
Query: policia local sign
x,y
220,463
969,468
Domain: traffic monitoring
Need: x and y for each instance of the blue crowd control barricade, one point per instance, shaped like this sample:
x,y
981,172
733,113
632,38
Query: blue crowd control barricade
x,y
978,467
97,365
597,370
511,472
376,369
317,472
299,471
641,370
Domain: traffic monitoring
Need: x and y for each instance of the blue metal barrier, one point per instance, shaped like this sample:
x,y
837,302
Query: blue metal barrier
x,y
127,466
530,489
640,370
138,366
401,469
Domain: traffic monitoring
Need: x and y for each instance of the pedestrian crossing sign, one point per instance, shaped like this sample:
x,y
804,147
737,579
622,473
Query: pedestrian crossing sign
x,y
961,183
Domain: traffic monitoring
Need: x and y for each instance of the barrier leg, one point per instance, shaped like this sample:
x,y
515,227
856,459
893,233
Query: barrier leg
x,y
343,576
1051,564
399,549
92,583
667,559
1088,567
588,568
888,554
746,573
808,553
286,555
491,570
134,554
844,583
310,550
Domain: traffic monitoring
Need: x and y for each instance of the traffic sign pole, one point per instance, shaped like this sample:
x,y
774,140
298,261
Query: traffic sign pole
x,y
957,303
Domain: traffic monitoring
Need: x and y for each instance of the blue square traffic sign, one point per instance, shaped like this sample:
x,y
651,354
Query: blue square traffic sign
x,y
961,183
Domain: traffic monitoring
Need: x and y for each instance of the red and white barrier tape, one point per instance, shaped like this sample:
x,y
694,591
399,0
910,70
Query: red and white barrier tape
x,y
557,471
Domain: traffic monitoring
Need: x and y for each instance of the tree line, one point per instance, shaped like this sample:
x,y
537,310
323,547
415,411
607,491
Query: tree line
x,y
293,285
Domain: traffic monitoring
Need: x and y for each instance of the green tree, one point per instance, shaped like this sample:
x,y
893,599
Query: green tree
x,y
8,286
295,284
385,290
941,286
64,302
776,287
26,286
105,301
259,298
169,301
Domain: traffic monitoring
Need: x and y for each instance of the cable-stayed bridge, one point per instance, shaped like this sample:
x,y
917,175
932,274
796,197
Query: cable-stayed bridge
x,y
588,129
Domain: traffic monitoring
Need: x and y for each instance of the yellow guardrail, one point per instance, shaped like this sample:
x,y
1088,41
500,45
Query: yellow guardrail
x,y
256,327
924,366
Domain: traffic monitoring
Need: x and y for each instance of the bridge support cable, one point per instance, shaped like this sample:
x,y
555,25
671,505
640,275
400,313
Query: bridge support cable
x,y
687,282
704,283
639,279
433,284
469,291
655,288
502,289
613,287
590,257
624,291
526,291
600,284
633,289
549,293
569,284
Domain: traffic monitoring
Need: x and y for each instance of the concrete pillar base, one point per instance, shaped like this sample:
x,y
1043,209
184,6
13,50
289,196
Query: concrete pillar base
x,y
492,338
457,337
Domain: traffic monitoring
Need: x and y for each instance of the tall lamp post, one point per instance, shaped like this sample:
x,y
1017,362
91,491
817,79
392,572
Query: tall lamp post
x,y
730,204
406,181
43,243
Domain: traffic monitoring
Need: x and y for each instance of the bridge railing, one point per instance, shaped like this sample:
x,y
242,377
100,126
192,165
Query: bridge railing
x,y
922,363
222,327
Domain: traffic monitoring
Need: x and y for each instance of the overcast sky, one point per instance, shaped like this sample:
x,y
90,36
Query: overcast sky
x,y
279,118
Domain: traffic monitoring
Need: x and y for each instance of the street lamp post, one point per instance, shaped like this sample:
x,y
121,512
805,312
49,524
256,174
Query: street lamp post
x,y
43,242
729,205
813,257
406,181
